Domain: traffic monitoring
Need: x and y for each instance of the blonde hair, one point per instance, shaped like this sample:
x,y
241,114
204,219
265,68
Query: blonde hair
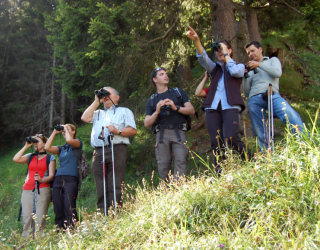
x,y
73,128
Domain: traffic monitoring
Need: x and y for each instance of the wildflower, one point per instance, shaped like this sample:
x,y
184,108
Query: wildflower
x,y
221,245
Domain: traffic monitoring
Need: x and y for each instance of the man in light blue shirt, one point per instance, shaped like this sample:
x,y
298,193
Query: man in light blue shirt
x,y
120,122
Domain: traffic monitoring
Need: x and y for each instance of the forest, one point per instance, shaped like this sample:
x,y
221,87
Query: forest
x,y
56,53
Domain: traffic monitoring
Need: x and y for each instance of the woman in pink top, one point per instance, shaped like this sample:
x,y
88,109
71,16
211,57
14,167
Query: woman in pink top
x,y
41,168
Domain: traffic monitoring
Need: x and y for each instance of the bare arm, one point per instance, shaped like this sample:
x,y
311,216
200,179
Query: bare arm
x,y
87,115
48,147
199,90
192,34
70,140
19,157
188,109
127,131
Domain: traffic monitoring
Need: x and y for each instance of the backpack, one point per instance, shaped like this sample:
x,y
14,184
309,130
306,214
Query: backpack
x,y
181,103
83,166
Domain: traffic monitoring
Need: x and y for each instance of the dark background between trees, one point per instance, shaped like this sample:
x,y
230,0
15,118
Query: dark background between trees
x,y
55,53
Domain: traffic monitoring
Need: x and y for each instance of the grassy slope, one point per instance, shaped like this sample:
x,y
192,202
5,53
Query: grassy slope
x,y
271,202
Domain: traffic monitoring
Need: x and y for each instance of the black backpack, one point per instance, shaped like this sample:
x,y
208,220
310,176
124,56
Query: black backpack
x,y
177,93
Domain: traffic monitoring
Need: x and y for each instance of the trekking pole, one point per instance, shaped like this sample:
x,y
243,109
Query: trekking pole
x,y
101,137
113,173
270,119
34,209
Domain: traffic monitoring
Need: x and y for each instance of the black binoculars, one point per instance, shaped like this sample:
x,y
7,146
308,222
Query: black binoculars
x,y
59,127
31,139
215,46
102,93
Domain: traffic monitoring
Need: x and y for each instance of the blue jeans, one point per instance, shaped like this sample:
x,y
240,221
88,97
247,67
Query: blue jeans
x,y
281,109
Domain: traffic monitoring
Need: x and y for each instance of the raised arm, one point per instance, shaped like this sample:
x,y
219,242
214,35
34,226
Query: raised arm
x,y
192,34
74,142
199,90
48,147
19,157
87,115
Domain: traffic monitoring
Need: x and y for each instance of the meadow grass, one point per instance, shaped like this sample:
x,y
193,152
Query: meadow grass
x,y
271,201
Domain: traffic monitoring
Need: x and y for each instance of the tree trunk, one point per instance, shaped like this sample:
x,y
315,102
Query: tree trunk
x,y
63,107
224,22
253,26
242,36
51,110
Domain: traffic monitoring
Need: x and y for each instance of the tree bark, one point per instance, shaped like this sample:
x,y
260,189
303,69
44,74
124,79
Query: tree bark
x,y
224,22
63,108
51,110
253,26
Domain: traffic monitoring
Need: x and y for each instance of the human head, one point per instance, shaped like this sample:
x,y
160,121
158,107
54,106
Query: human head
x,y
73,129
220,55
159,75
114,96
39,146
255,51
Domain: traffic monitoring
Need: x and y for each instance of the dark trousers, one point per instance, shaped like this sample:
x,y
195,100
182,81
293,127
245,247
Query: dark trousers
x,y
64,197
120,156
223,128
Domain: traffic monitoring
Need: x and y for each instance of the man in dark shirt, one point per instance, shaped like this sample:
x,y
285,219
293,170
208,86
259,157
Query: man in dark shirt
x,y
166,112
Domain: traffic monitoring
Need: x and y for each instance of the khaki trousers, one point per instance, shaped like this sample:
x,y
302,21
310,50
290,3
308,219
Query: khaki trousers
x,y
42,204
171,147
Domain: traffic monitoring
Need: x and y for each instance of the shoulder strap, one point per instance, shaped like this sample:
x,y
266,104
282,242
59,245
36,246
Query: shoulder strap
x,y
30,158
48,160
178,94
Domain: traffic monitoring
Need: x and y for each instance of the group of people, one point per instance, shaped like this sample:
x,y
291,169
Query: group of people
x,y
167,112
42,174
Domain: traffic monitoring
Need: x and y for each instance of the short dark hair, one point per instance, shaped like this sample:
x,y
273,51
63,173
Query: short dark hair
x,y
154,73
255,44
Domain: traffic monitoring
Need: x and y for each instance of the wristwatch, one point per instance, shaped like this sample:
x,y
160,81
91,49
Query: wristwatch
x,y
178,107
225,54
120,131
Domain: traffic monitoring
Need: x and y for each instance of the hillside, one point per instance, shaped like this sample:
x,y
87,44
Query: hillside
x,y
271,201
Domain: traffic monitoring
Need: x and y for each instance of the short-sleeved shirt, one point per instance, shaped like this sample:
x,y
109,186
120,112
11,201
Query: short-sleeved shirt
x,y
168,116
39,166
68,159
119,117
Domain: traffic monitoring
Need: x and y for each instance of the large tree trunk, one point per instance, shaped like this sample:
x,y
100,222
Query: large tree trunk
x,y
51,110
253,26
63,107
224,22
242,36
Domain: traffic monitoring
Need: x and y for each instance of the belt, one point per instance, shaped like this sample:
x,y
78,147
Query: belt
x,y
106,146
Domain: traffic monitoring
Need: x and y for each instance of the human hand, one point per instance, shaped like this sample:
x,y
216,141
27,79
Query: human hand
x,y
192,34
159,105
253,64
37,177
170,103
224,48
112,129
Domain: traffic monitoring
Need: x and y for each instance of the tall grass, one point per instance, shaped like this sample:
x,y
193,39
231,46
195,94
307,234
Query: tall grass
x,y
270,202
